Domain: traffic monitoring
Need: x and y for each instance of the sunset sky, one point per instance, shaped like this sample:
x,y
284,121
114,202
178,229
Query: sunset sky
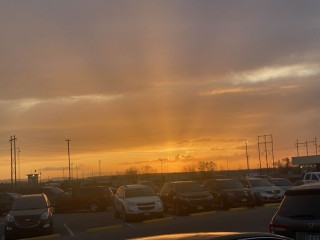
x,y
136,83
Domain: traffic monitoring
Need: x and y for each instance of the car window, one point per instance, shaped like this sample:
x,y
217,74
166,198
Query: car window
x,y
281,182
139,192
26,203
260,183
227,184
314,177
307,177
301,207
245,183
189,187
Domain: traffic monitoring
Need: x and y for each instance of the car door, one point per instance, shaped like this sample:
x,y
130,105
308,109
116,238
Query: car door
x,y
65,201
118,198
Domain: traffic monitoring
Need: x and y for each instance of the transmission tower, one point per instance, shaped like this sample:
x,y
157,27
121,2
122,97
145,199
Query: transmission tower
x,y
265,148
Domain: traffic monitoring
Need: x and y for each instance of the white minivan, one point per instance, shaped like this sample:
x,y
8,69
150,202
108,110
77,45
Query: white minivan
x,y
132,201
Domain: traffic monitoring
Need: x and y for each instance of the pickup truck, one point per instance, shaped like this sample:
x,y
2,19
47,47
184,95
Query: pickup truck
x,y
310,177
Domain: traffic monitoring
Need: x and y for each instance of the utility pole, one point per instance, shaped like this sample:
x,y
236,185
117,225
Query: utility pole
x,y
306,144
13,162
68,140
246,142
265,142
99,168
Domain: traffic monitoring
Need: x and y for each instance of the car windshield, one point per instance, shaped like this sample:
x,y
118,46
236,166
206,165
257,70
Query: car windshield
x,y
139,192
301,206
260,183
281,182
189,187
227,184
27,203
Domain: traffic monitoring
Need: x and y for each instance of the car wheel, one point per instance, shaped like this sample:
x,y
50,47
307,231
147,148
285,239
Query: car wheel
x,y
257,200
93,207
224,205
116,213
177,209
123,215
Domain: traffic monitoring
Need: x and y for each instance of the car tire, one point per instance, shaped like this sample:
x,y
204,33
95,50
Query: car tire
x,y
93,207
224,205
257,202
116,213
123,215
177,210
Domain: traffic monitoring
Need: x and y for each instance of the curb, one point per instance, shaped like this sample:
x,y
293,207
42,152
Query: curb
x,y
99,229
43,237
201,213
271,204
158,220
237,209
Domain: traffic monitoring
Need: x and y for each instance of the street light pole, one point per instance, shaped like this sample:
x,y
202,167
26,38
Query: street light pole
x,y
68,140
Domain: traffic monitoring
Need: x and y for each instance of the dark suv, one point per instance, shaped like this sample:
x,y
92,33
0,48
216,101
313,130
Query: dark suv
x,y
229,193
94,199
299,214
29,215
184,196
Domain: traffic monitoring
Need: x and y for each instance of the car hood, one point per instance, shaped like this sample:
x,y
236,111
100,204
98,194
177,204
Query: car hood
x,y
235,190
31,212
144,199
266,188
195,194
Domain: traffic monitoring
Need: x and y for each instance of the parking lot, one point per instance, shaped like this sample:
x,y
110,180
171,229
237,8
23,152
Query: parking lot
x,y
103,225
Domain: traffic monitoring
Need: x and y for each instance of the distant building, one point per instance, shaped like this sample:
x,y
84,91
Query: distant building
x,y
33,178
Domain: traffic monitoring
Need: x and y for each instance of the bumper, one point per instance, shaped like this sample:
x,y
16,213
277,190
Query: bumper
x,y
198,205
15,232
145,214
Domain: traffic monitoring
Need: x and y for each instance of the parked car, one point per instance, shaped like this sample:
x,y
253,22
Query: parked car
x,y
216,236
283,183
298,216
52,193
149,184
229,193
310,177
263,190
132,201
6,200
30,215
185,196
94,199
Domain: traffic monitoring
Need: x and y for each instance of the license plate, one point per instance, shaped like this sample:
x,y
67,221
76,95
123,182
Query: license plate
x,y
244,200
199,207
147,214
312,237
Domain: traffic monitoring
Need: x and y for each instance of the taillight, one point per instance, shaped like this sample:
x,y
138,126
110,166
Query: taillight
x,y
276,228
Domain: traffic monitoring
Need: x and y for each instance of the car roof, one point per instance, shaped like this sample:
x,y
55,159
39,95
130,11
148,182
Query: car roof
x,y
310,188
135,186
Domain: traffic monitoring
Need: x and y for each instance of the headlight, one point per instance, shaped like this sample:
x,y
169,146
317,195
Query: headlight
x,y
44,216
158,203
10,219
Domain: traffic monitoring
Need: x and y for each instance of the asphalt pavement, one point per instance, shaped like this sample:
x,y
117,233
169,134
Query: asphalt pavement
x,y
103,225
